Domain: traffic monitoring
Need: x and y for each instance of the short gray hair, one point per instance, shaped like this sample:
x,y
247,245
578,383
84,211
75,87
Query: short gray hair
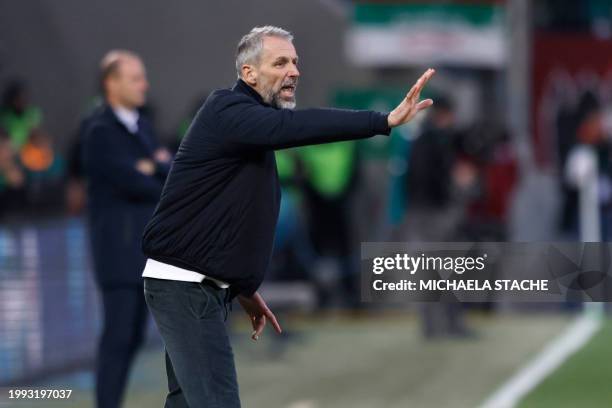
x,y
251,45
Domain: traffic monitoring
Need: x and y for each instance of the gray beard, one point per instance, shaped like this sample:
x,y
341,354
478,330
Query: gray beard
x,y
275,100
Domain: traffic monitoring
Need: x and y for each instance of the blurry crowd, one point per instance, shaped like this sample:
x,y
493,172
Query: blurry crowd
x,y
455,184
39,177
31,168
584,155
442,180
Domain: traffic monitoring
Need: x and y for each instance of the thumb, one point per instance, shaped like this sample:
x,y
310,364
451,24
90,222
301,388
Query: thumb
x,y
424,104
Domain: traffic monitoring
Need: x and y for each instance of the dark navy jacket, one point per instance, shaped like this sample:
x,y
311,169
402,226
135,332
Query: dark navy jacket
x,y
120,199
219,207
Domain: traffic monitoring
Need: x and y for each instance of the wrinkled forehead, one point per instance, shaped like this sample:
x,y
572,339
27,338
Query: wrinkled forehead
x,y
276,47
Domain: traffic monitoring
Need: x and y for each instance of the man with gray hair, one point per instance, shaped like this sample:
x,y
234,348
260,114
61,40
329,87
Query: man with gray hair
x,y
210,238
249,53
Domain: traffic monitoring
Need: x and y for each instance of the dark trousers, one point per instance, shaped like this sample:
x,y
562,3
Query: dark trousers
x,y
125,320
199,358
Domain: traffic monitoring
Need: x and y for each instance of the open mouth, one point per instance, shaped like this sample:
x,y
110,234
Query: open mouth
x,y
289,89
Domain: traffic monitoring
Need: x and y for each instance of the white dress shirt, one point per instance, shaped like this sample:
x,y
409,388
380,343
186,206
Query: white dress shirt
x,y
129,118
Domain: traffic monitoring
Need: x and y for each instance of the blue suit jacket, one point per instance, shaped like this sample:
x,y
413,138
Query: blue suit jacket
x,y
120,198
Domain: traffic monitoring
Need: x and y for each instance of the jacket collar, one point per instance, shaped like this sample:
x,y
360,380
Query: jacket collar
x,y
244,88
110,115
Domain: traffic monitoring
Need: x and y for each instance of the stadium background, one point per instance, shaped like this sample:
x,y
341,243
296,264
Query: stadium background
x,y
538,79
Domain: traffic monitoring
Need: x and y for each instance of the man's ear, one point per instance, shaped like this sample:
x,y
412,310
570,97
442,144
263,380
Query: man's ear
x,y
249,75
110,84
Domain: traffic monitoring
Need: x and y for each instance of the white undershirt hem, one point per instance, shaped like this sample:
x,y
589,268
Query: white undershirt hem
x,y
160,270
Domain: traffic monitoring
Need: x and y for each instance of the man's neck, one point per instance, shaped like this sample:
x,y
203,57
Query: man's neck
x,y
252,89
118,106
127,115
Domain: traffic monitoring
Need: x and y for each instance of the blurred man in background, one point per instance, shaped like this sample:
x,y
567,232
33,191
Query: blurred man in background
x,y
126,170
12,178
437,183
331,172
17,116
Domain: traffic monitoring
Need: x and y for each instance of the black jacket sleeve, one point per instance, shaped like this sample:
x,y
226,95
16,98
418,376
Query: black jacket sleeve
x,y
161,169
247,125
105,158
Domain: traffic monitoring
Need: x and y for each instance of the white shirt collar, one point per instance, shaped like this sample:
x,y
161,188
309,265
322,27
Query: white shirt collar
x,y
129,117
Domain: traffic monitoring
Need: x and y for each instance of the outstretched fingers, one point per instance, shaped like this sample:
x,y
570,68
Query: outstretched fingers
x,y
415,91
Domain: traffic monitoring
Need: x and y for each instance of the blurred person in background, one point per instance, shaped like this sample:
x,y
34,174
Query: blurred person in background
x,y
331,173
211,236
76,189
76,193
17,116
436,182
43,167
487,146
125,172
588,162
292,257
12,178
41,164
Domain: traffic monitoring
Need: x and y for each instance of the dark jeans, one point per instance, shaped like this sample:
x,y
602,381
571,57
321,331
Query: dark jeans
x,y
199,358
125,318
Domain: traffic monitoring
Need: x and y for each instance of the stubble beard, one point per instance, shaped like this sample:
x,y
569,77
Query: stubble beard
x,y
274,99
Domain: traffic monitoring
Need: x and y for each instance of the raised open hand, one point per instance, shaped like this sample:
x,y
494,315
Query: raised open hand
x,y
410,105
